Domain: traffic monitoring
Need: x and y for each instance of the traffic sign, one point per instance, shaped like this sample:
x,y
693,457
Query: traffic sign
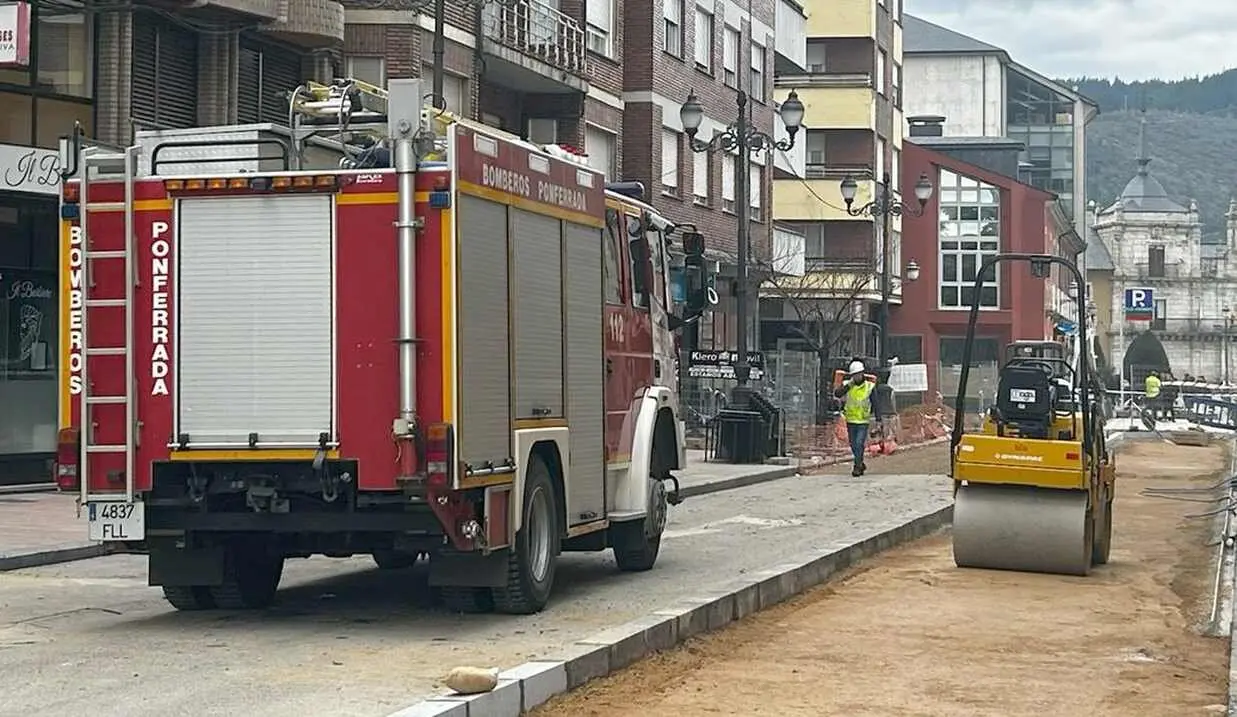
x,y
1139,304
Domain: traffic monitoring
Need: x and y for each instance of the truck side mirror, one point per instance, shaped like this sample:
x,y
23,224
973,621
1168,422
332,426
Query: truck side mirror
x,y
696,289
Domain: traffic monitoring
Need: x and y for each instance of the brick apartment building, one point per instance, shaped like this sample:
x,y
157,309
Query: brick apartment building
x,y
853,127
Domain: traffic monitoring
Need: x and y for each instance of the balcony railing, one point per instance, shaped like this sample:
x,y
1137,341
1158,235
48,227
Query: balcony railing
x,y
1163,271
829,264
824,79
1198,327
538,31
834,170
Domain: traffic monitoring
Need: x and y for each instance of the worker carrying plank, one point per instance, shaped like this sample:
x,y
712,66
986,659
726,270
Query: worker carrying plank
x,y
856,395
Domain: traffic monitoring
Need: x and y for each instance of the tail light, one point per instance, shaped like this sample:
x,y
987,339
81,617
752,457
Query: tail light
x,y
67,445
439,450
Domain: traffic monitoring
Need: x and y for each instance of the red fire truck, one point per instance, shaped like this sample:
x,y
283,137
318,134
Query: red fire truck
x,y
468,359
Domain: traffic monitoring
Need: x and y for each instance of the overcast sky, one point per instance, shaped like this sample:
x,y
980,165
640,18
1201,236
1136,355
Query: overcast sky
x,y
1133,39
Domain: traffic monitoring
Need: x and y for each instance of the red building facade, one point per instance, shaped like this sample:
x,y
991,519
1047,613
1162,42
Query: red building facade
x,y
972,215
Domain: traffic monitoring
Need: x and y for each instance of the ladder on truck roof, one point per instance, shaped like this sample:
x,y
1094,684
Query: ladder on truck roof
x,y
98,163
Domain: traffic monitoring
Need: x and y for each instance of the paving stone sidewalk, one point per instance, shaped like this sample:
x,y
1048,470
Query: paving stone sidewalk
x,y
43,528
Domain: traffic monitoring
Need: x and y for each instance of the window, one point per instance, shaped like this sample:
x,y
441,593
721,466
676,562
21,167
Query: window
x,y
454,90
813,241
1159,321
815,152
600,21
704,41
881,59
700,177
897,11
970,228
369,69
757,83
600,146
730,57
28,326
728,166
897,86
613,263
669,162
815,56
673,22
542,130
1155,261
895,169
756,187
65,53
640,264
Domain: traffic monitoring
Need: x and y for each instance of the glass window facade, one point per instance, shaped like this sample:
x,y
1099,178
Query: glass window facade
x,y
28,324
1043,120
970,231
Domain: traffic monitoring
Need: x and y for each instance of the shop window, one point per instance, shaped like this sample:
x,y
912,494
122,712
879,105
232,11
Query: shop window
x,y
56,118
28,328
64,52
15,124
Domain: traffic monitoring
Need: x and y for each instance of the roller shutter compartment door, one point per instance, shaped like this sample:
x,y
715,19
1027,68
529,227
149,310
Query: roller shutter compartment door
x,y
164,72
255,321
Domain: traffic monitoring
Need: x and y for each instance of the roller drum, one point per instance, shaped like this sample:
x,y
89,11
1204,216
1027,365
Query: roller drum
x,y
1038,530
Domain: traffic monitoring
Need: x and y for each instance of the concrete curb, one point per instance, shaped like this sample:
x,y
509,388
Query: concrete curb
x,y
777,473
51,556
531,684
717,486
28,488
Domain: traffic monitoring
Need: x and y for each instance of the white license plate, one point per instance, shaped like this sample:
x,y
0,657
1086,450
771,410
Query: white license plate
x,y
1022,395
112,521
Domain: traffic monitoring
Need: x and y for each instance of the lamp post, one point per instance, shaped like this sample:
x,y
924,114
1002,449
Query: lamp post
x,y
886,206
1228,325
745,140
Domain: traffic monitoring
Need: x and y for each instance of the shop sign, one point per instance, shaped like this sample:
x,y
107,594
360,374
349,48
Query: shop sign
x,y
14,34
33,170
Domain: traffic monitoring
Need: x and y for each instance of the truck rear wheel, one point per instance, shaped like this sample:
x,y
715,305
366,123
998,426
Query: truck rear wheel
x,y
250,580
188,597
394,560
532,561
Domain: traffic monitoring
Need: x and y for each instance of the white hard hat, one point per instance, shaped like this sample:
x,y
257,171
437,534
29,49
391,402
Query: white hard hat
x,y
855,367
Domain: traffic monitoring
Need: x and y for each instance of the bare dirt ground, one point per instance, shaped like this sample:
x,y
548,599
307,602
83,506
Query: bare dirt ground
x,y
908,633
932,459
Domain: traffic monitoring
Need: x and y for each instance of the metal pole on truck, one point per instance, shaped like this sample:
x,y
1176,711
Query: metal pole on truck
x,y
404,100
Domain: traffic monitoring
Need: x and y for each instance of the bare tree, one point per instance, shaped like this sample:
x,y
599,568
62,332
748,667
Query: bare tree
x,y
825,306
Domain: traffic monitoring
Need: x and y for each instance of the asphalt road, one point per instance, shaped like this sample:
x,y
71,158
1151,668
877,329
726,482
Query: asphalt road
x,y
346,639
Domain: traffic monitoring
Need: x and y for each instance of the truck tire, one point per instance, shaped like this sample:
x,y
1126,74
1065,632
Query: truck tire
x,y
638,542
188,597
250,580
533,560
394,560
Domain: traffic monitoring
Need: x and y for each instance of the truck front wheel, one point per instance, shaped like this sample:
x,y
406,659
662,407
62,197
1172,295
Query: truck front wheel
x,y
532,561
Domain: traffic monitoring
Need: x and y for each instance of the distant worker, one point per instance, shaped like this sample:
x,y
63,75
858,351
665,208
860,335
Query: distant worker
x,y
1169,391
856,393
1151,388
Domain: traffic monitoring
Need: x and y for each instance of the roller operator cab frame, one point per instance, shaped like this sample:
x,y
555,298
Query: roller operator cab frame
x,y
1033,487
232,368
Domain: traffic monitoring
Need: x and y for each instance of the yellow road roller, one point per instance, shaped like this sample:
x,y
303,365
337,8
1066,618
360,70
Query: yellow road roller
x,y
1033,486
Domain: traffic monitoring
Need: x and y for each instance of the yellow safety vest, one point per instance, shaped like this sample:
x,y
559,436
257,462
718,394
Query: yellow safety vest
x,y
858,409
1153,387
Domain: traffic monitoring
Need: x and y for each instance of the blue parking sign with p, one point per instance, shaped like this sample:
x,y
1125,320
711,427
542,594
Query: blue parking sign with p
x,y
1139,304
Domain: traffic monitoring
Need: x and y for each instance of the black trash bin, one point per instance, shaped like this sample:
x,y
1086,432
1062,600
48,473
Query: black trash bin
x,y
739,436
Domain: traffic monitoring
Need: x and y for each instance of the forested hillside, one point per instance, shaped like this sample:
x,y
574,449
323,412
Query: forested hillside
x,y
1191,136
